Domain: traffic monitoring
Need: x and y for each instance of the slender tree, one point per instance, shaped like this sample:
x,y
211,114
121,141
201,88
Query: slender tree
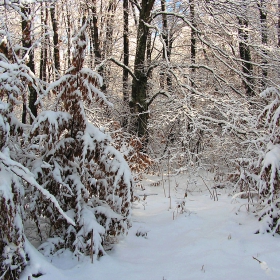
x,y
125,50
278,23
167,45
264,38
193,41
44,50
55,40
28,52
244,50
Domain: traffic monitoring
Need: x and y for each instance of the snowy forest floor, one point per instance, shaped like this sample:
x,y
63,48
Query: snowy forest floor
x,y
209,240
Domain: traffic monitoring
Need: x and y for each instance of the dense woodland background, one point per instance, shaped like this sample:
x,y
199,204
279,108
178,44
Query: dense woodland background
x,y
165,85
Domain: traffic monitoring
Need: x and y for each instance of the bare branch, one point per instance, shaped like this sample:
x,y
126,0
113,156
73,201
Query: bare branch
x,y
117,63
162,92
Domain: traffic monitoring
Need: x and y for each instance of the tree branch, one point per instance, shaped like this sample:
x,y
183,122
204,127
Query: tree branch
x,y
135,3
119,64
162,92
28,177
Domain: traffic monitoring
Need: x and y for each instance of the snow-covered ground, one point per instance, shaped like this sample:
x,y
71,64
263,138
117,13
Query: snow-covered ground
x,y
209,240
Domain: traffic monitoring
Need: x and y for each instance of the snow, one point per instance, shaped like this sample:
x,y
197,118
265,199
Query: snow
x,y
54,119
272,158
209,240
27,176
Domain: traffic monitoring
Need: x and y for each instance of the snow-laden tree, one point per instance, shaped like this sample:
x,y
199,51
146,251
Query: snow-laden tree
x,y
259,168
14,177
269,181
75,162
12,254
14,78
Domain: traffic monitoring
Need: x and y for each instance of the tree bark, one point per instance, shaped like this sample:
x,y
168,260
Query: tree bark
x,y
55,41
279,23
68,30
245,55
44,52
125,50
138,103
27,44
193,42
263,22
108,44
97,49
166,52
95,34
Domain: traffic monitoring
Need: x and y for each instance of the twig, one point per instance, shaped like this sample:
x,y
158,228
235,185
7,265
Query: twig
x,y
163,182
169,179
211,195
256,259
91,246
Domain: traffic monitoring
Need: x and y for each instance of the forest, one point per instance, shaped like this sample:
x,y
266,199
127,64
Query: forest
x,y
98,94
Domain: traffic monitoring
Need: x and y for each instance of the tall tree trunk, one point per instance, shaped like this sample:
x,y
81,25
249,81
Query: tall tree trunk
x,y
149,50
279,23
95,35
263,22
27,44
96,42
44,52
193,43
166,52
244,50
165,41
68,30
138,102
108,42
125,50
55,40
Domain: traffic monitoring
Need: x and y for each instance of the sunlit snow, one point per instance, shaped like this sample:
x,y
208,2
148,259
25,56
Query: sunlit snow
x,y
209,240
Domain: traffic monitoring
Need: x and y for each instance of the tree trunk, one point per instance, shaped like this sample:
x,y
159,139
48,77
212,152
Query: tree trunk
x,y
95,36
55,41
125,51
44,52
138,103
134,13
263,22
27,43
68,30
108,42
245,55
166,52
279,23
193,43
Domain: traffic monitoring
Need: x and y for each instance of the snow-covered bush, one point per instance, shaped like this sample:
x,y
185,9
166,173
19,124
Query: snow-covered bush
x,y
12,254
14,78
61,168
269,183
14,177
75,162
260,168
